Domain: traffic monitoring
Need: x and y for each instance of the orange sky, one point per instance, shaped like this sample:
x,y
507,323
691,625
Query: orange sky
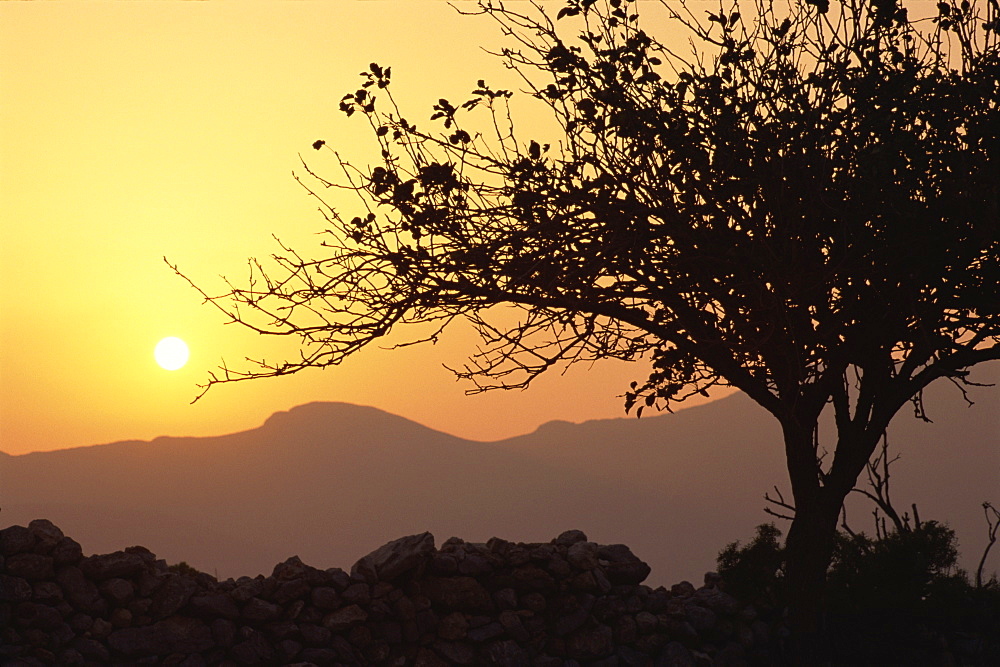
x,y
134,130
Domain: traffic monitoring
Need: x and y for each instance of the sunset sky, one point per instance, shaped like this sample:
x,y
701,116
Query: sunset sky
x,y
136,130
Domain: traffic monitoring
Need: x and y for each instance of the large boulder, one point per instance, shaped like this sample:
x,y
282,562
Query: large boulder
x,y
622,566
392,560
119,564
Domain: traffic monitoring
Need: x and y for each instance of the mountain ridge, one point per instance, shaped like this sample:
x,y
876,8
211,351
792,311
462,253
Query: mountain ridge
x,y
332,481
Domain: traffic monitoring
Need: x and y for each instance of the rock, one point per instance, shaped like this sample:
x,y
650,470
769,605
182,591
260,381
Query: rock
x,y
683,589
292,568
15,540
569,538
318,656
14,589
260,610
80,591
46,535
700,618
343,618
507,654
145,554
607,608
337,578
657,601
475,565
392,560
591,643
457,593
287,650
630,657
33,615
172,595
118,564
290,590
121,618
559,568
455,653
534,602
427,658
513,627
316,635
172,635
646,622
713,580
530,578
325,597
358,594
582,555
46,591
404,609
224,632
505,598
675,654
30,566
679,629
218,605
443,564
293,610
253,651
67,552
571,617
625,630
250,588
485,632
101,628
453,626
281,630
717,601
623,567
118,591
91,650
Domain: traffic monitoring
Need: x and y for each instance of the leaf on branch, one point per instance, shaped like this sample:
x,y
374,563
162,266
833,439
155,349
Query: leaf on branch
x,y
782,30
318,144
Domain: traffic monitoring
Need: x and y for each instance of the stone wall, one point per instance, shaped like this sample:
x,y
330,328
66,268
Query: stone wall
x,y
568,602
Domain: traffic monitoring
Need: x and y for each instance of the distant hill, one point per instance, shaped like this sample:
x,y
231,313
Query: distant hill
x,y
332,481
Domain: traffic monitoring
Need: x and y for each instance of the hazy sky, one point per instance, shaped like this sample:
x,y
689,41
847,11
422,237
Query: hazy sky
x,y
134,130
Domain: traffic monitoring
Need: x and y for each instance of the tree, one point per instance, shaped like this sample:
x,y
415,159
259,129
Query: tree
x,y
806,208
894,599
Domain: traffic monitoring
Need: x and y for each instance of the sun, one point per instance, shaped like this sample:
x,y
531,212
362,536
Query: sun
x,y
171,353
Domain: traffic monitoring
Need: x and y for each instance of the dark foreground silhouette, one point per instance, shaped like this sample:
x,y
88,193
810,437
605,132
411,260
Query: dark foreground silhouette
x,y
566,602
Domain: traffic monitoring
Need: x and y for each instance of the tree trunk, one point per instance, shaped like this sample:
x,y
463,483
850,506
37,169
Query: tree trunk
x,y
809,545
808,550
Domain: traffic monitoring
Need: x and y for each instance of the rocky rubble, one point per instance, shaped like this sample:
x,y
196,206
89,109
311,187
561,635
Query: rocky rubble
x,y
568,602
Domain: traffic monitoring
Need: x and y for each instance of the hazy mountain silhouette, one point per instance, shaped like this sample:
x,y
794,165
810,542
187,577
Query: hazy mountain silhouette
x,y
332,481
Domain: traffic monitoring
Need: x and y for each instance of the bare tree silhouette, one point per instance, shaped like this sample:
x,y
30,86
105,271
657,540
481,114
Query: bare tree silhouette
x,y
805,207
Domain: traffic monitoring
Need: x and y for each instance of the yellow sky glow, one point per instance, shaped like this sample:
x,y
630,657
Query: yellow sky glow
x,y
130,131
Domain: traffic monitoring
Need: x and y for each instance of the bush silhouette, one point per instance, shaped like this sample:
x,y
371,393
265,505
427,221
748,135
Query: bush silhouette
x,y
896,599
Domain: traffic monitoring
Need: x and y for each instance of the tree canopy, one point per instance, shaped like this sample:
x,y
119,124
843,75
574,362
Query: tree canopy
x,y
805,206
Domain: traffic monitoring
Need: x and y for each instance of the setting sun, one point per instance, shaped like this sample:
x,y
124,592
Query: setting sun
x,y
171,353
